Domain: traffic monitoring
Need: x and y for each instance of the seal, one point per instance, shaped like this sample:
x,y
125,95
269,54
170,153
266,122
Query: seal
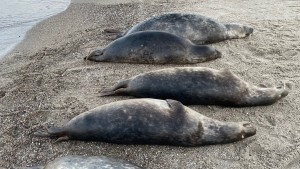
x,y
84,162
154,47
149,121
197,85
197,28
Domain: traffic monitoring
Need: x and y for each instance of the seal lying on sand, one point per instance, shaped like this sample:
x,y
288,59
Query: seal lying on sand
x,y
197,28
197,85
149,121
83,162
154,47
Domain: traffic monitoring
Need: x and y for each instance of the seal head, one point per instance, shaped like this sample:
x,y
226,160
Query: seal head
x,y
235,31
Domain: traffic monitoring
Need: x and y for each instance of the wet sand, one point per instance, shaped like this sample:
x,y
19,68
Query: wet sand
x,y
45,81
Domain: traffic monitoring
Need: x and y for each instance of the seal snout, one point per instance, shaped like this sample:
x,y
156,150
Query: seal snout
x,y
248,31
249,130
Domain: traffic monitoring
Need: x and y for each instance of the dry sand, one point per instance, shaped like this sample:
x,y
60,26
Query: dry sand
x,y
45,81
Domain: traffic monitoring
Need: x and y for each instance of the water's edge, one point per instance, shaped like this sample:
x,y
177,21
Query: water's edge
x,y
22,21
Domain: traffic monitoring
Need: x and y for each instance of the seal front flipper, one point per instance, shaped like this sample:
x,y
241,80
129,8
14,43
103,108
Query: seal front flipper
x,y
175,105
178,111
118,89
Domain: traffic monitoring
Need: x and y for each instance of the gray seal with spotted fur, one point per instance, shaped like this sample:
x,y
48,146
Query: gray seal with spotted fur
x,y
86,162
154,47
149,121
197,28
197,85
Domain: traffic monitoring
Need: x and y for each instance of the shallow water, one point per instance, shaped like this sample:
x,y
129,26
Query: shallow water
x,y
18,16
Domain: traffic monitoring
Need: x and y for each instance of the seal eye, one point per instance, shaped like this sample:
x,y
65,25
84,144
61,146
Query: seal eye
x,y
247,34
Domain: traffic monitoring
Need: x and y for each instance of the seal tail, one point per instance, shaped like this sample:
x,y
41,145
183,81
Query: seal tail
x,y
118,89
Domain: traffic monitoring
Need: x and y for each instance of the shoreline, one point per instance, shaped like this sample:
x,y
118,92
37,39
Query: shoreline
x,y
45,81
15,31
32,31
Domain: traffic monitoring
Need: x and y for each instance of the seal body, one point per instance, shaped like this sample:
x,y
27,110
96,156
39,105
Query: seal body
x,y
154,47
150,121
197,85
96,162
85,162
197,28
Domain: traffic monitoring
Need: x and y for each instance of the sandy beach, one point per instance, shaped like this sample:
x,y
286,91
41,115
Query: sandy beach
x,y
45,81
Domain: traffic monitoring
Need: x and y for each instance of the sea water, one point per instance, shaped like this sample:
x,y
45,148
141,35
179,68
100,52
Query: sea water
x,y
18,16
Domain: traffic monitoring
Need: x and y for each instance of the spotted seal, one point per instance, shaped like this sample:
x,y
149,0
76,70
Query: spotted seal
x,y
85,162
197,85
154,47
149,121
197,28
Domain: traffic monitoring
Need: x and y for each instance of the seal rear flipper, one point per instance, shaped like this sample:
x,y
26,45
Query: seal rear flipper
x,y
114,31
109,30
50,132
118,89
96,56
